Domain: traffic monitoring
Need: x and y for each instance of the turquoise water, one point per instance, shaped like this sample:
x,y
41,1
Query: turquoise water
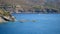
x,y
45,24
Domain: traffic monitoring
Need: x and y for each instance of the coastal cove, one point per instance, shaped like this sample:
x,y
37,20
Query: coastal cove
x,y
43,24
29,16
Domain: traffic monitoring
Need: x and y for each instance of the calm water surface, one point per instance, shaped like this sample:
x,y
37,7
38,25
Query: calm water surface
x,y
45,24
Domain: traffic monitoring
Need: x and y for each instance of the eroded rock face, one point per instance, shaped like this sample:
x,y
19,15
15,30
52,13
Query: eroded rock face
x,y
5,16
6,19
9,18
13,18
2,20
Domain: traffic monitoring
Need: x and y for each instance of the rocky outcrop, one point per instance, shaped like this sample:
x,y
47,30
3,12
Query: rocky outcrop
x,y
6,19
6,16
18,9
2,20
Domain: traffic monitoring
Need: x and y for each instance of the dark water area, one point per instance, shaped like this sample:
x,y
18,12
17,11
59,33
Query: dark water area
x,y
45,24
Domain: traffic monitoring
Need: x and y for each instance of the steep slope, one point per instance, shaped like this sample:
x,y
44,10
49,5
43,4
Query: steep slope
x,y
32,2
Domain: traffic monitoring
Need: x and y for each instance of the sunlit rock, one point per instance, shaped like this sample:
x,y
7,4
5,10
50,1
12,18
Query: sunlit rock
x,y
6,16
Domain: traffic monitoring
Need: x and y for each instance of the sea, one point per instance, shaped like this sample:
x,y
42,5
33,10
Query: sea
x,y
32,24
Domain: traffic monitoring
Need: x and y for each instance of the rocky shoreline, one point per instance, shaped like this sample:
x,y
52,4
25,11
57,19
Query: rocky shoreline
x,y
6,19
5,16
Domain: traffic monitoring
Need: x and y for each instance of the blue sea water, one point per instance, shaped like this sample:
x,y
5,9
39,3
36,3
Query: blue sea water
x,y
45,24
